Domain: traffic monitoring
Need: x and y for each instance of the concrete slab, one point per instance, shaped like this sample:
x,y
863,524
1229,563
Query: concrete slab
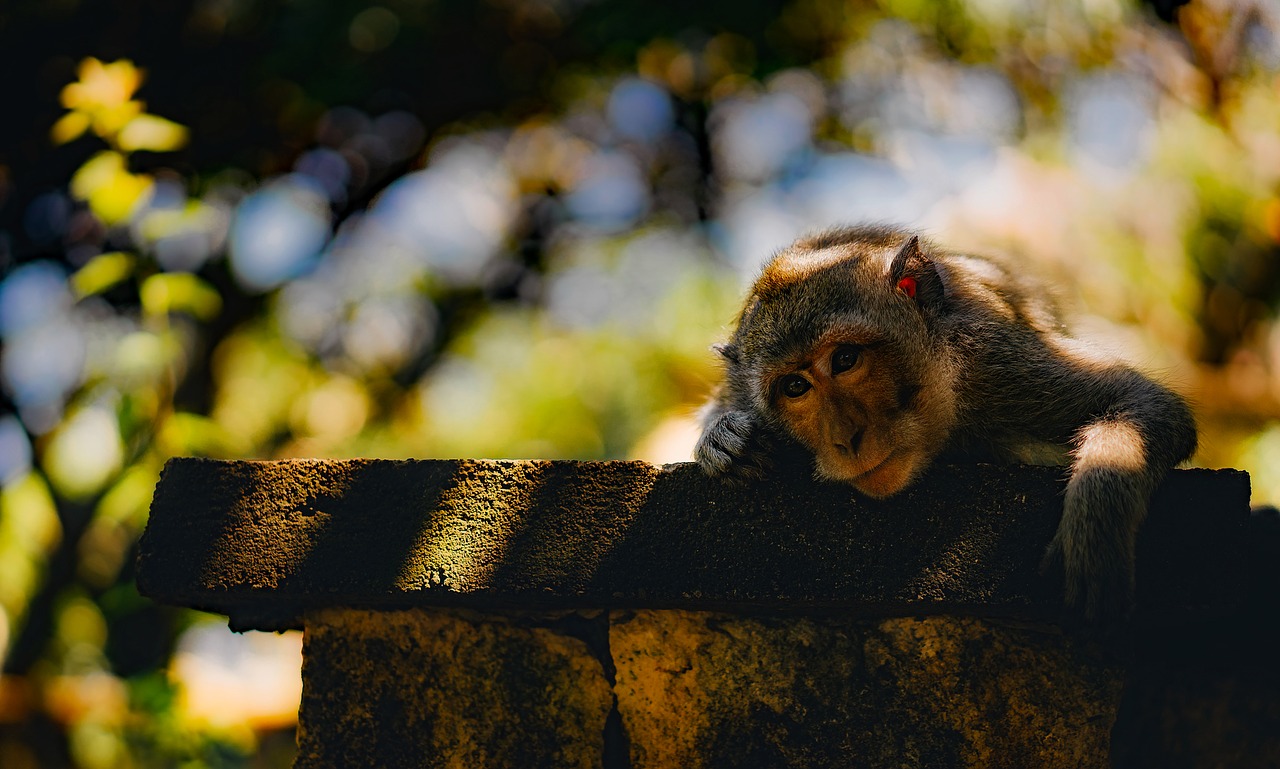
x,y
265,541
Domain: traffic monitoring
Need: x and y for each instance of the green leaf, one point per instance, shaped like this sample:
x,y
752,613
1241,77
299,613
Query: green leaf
x,y
186,433
127,501
84,454
28,516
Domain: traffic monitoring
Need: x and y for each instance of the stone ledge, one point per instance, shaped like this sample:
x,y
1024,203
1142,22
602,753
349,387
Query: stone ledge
x,y
265,541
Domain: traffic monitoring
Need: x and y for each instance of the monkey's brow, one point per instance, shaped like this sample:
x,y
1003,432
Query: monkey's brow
x,y
805,361
857,336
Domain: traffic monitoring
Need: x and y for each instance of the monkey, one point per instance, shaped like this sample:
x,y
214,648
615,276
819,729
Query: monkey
x,y
878,351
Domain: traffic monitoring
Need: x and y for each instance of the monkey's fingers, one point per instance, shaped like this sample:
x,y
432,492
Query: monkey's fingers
x,y
1104,596
755,462
723,442
1097,592
1097,584
714,457
751,465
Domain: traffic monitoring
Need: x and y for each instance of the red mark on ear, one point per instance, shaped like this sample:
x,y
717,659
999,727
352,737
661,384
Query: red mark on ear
x,y
908,287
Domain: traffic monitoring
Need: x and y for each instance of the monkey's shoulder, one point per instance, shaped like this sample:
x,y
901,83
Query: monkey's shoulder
x,y
997,289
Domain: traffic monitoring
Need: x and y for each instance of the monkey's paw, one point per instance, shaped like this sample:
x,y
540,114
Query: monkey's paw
x,y
1096,567
731,446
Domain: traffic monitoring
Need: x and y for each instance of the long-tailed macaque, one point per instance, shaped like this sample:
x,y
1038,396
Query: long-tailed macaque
x,y
877,351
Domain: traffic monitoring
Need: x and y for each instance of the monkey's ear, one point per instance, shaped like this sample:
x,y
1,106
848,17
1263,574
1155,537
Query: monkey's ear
x,y
915,274
727,351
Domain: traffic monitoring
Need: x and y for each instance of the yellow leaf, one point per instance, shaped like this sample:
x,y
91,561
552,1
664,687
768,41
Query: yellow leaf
x,y
179,292
102,85
69,127
159,223
110,119
112,192
149,132
102,272
29,530
116,203
143,357
96,172
102,99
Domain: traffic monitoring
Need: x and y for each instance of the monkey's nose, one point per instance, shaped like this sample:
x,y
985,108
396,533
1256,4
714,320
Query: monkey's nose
x,y
854,443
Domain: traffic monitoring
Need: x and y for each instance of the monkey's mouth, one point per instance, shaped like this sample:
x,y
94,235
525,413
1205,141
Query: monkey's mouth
x,y
876,468
887,458
886,477
845,474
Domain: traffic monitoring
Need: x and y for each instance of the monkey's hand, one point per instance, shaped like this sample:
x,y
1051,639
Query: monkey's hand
x,y
1093,549
731,445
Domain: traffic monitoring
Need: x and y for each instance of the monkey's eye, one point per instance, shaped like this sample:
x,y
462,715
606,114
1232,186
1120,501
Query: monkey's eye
x,y
844,358
794,385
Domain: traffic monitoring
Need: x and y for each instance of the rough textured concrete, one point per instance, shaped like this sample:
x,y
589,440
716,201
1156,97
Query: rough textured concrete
x,y
615,614
453,688
263,541
447,689
698,690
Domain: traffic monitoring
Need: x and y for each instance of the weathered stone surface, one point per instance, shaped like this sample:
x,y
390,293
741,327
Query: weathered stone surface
x,y
706,690
452,688
623,615
264,541
449,689
1214,719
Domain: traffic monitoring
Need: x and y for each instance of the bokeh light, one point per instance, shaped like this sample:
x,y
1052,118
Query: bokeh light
x,y
1111,121
15,452
453,215
85,453
230,679
756,139
610,192
278,232
639,109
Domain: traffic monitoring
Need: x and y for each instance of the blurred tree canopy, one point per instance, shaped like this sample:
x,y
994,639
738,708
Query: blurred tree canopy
x,y
429,228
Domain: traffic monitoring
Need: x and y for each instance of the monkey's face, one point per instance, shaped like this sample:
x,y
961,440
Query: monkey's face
x,y
835,345
854,404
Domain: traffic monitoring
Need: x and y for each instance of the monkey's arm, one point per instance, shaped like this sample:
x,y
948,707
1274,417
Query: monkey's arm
x,y
1125,432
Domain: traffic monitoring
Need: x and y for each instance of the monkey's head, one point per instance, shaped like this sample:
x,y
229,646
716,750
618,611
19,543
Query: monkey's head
x,y
837,346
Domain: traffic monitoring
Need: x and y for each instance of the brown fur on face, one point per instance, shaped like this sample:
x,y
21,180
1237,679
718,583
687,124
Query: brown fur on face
x,y
865,425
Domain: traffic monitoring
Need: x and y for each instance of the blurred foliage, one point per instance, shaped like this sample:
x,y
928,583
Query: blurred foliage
x,y
433,228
